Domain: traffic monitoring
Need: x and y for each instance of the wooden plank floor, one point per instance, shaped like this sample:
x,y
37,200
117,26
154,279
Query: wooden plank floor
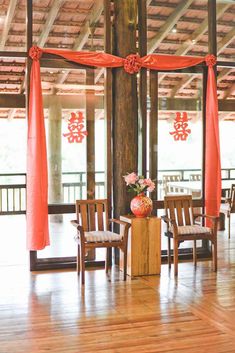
x,y
48,312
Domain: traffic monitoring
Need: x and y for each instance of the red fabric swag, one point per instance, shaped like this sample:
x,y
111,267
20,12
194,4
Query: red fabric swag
x,y
37,188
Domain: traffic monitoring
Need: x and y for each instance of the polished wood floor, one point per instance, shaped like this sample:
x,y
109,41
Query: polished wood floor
x,y
49,312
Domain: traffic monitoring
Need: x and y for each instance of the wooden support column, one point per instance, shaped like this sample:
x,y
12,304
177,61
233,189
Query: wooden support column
x,y
108,103
90,155
212,41
153,131
90,121
125,115
29,23
212,49
55,154
142,119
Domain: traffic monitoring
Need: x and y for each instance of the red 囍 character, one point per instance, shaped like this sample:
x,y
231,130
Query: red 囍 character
x,y
181,131
76,128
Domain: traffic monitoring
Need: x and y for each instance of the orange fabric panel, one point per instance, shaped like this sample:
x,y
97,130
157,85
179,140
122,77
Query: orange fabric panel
x,y
37,184
213,166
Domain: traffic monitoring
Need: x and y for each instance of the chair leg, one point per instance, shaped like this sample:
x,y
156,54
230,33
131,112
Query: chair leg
x,y
214,255
78,260
229,226
82,263
124,263
169,252
108,256
195,253
175,257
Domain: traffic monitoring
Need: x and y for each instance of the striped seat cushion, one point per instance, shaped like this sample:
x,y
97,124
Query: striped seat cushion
x,y
192,229
101,236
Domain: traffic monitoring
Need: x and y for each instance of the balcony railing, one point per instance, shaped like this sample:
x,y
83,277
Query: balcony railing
x,y
13,187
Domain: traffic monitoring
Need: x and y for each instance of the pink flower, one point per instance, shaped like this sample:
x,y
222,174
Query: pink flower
x,y
150,184
151,187
131,178
138,184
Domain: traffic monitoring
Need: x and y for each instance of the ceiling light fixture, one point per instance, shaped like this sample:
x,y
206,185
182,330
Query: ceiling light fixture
x,y
174,29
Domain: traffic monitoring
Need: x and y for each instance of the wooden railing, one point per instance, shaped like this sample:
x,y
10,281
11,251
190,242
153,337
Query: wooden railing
x,y
13,194
12,199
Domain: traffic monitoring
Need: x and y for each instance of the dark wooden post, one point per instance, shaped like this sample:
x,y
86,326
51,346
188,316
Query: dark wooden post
x,y
153,130
32,254
108,102
90,121
142,33
90,155
125,115
212,43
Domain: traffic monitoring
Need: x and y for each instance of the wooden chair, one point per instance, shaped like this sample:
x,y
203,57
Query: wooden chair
x,y
228,207
181,226
93,232
195,177
166,178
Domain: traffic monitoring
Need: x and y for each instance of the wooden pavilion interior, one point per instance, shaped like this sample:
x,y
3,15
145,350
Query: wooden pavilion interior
x,y
43,304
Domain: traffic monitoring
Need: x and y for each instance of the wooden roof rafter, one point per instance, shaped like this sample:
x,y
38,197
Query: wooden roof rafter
x,y
85,32
55,8
7,23
168,25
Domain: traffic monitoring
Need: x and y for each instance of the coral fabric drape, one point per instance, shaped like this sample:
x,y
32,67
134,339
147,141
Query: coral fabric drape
x,y
37,184
37,209
212,165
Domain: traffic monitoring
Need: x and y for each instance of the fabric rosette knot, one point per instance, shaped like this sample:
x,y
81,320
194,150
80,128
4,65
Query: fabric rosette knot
x,y
210,60
132,63
35,53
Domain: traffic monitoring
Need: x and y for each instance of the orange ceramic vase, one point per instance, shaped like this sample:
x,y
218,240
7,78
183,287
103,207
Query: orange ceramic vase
x,y
141,206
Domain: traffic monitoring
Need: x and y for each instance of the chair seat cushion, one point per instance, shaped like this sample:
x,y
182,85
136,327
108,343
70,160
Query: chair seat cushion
x,y
192,229
102,236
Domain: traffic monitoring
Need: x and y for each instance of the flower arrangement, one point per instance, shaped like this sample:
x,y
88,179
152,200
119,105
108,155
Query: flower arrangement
x,y
138,183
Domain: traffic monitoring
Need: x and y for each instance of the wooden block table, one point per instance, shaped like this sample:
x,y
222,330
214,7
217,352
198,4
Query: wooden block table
x,y
144,246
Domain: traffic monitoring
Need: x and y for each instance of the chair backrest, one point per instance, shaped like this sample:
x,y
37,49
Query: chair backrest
x,y
169,177
195,177
232,195
92,214
179,208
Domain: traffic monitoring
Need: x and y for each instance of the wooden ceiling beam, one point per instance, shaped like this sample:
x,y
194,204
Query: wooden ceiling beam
x,y
85,32
226,41
8,100
183,83
196,35
49,21
168,25
222,74
229,91
92,19
7,23
221,45
70,101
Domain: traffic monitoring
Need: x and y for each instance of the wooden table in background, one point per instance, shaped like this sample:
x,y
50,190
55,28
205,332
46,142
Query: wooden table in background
x,y
144,246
